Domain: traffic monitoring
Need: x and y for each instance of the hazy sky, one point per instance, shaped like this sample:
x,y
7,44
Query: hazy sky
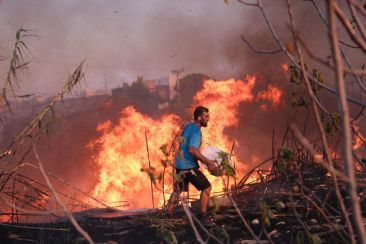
x,y
123,38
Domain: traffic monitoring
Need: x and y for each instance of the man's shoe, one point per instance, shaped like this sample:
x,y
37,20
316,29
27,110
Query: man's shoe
x,y
207,219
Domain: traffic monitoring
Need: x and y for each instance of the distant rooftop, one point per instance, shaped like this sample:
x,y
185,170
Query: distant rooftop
x,y
164,81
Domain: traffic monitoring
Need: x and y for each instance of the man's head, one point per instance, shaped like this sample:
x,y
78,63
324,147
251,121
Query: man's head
x,y
201,116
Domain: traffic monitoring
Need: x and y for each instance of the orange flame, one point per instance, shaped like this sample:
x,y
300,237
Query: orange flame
x,y
272,94
223,99
358,139
121,151
104,126
318,157
284,67
4,219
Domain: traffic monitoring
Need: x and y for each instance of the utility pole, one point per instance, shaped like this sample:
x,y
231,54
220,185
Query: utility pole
x,y
105,84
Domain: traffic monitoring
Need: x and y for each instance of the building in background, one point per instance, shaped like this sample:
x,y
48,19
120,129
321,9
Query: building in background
x,y
97,92
162,88
174,84
150,85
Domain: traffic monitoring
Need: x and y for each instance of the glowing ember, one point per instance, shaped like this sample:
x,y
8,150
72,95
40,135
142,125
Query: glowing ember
x,y
121,151
104,126
272,94
4,219
318,157
264,107
357,143
358,139
284,67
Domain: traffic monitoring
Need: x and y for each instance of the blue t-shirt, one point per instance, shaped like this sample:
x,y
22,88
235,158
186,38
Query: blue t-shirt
x,y
191,137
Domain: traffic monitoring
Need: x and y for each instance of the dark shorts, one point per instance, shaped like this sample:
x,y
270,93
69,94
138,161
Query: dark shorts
x,y
193,176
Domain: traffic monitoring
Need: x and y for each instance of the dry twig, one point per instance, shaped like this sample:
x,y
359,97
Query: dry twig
x,y
58,200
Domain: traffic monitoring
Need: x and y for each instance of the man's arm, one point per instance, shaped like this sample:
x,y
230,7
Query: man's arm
x,y
198,155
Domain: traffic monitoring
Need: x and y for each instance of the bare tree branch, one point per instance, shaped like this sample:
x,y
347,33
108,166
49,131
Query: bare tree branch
x,y
320,126
350,69
191,222
63,182
358,6
58,200
357,21
332,7
305,142
258,50
356,72
246,224
292,59
46,213
349,28
248,4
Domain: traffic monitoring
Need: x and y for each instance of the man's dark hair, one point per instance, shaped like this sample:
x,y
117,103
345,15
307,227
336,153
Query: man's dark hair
x,y
199,111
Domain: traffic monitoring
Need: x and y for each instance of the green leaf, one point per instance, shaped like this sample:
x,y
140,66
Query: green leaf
x,y
329,128
332,123
300,237
164,163
295,75
225,236
225,163
166,234
266,212
319,76
151,173
163,148
216,206
286,153
177,178
279,165
336,117
298,100
160,177
315,239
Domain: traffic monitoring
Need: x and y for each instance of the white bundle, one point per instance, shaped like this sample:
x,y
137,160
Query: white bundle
x,y
214,153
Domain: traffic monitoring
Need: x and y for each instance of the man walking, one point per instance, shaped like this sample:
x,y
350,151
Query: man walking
x,y
186,162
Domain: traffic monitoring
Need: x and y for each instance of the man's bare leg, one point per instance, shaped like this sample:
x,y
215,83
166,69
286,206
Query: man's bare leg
x,y
173,200
205,197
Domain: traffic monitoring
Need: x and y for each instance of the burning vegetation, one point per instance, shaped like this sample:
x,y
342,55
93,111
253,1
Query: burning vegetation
x,y
126,142
308,187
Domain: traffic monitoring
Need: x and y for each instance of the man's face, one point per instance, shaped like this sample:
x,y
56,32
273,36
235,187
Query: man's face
x,y
204,118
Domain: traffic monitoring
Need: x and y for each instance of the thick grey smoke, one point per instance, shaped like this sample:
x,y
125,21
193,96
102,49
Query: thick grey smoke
x,y
123,39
